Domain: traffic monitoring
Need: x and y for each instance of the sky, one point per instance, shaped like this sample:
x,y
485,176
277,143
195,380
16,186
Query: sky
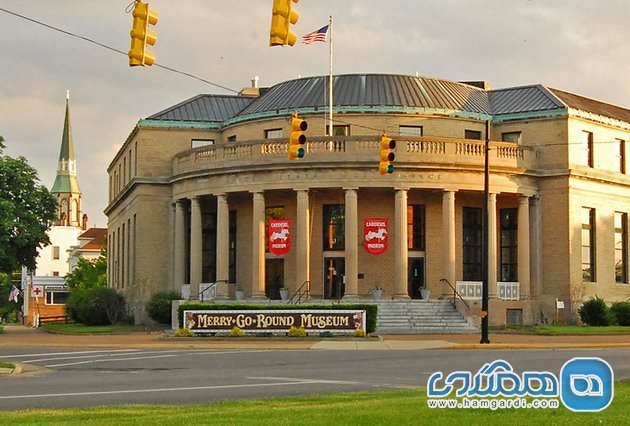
x,y
581,46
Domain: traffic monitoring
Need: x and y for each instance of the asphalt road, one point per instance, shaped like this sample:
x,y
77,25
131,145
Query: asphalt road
x,y
91,377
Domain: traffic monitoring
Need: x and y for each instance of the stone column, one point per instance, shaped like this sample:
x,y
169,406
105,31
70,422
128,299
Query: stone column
x,y
492,245
302,239
523,247
401,248
179,249
258,246
223,246
448,240
196,233
352,245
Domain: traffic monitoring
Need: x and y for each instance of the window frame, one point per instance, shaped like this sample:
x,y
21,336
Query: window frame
x,y
336,229
275,133
621,232
588,272
508,245
471,243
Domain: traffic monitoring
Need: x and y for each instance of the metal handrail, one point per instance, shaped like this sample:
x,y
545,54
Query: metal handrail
x,y
212,286
455,293
300,293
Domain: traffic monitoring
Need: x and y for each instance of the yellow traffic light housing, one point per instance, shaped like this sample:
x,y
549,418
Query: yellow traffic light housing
x,y
282,17
141,35
297,138
385,166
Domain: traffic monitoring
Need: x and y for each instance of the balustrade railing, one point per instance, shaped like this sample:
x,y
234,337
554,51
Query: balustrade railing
x,y
422,149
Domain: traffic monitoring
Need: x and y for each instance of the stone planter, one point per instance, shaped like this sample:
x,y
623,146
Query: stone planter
x,y
425,293
376,294
284,294
240,295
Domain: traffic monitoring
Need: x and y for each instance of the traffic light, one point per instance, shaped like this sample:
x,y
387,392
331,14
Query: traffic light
x,y
282,16
141,35
297,139
385,165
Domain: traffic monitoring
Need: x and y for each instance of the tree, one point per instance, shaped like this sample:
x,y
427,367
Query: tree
x,y
26,209
89,273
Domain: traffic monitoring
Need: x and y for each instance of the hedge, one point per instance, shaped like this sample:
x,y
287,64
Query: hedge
x,y
370,309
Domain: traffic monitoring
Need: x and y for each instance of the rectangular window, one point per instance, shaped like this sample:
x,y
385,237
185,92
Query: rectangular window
x,y
231,138
195,143
621,247
339,130
588,244
273,133
472,243
333,227
472,134
232,249
56,297
508,223
514,317
415,227
587,148
55,273
55,252
271,213
622,155
511,137
410,130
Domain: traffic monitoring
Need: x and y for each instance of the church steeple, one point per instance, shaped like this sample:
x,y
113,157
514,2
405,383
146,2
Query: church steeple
x,y
66,187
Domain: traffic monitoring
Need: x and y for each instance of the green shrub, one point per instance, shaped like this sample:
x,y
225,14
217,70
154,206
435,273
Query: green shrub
x,y
183,332
95,306
621,311
595,312
296,332
236,332
159,306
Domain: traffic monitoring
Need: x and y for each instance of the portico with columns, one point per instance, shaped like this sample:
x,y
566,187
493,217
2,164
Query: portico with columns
x,y
442,253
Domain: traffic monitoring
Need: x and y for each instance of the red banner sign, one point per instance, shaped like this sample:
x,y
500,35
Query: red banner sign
x,y
279,236
375,235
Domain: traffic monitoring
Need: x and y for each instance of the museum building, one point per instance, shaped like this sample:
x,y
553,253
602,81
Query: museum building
x,y
194,187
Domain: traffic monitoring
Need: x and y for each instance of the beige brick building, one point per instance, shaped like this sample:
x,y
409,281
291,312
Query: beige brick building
x,y
193,187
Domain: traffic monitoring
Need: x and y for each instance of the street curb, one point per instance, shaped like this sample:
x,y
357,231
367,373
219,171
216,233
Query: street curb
x,y
540,346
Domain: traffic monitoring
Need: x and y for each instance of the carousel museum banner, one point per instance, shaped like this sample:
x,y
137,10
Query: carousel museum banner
x,y
274,321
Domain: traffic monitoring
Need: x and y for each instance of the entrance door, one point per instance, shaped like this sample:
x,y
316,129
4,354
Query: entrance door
x,y
334,272
416,276
274,277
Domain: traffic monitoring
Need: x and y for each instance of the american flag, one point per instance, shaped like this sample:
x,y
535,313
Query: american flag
x,y
319,35
13,295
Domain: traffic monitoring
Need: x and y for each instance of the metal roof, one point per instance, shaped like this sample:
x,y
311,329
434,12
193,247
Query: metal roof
x,y
591,105
370,90
204,108
390,93
523,99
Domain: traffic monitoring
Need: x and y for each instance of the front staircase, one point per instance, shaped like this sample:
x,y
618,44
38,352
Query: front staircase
x,y
420,317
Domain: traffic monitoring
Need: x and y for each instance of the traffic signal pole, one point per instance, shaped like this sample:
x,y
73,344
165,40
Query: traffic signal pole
x,y
485,239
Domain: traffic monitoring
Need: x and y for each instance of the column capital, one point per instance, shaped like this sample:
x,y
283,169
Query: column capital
x,y
401,189
350,188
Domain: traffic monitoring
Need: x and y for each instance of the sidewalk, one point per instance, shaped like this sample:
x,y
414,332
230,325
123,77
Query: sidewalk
x,y
22,336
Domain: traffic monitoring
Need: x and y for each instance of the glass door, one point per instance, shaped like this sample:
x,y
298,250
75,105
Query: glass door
x,y
334,282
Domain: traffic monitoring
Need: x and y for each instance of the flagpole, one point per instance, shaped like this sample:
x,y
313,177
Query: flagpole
x,y
330,80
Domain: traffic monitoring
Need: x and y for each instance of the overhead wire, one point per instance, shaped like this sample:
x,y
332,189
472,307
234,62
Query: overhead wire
x,y
105,46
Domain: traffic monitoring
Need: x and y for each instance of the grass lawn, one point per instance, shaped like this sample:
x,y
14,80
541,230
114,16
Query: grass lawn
x,y
402,407
84,329
1,329
6,365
